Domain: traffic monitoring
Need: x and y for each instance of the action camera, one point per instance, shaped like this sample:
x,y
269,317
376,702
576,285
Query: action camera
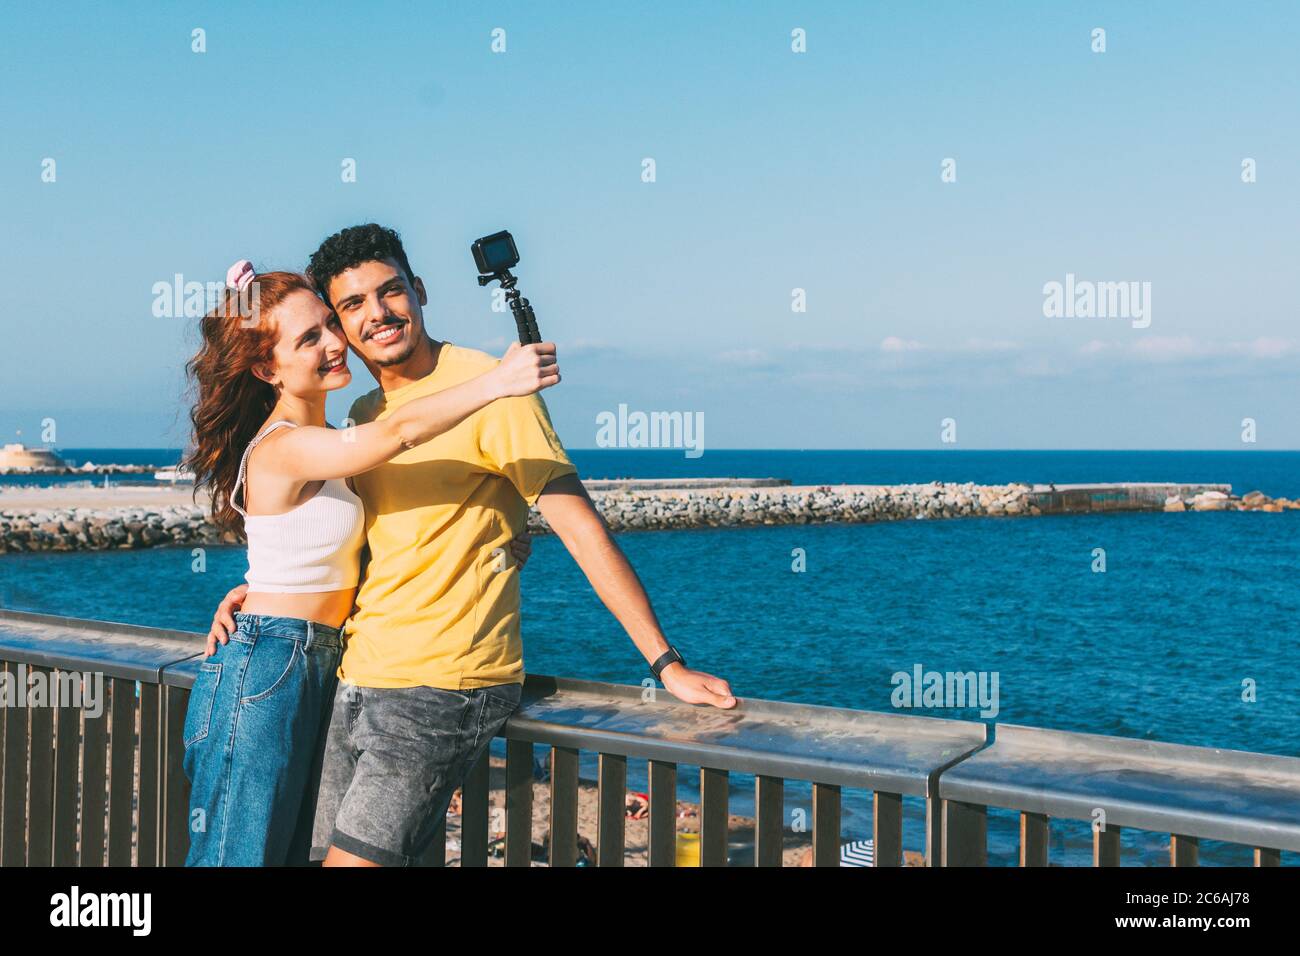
x,y
495,256
495,253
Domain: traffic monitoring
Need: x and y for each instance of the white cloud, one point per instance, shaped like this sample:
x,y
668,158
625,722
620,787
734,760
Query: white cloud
x,y
1264,347
990,345
909,364
585,347
1185,348
894,344
746,358
1164,348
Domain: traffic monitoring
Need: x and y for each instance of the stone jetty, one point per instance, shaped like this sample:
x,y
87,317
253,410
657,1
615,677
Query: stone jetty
x,y
89,468
61,519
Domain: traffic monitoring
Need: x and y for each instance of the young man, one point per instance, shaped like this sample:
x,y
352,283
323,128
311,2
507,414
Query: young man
x,y
433,665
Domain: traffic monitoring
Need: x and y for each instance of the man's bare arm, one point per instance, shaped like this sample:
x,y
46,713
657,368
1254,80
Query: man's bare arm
x,y
568,509
223,621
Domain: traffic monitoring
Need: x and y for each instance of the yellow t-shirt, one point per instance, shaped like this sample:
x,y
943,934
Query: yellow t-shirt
x,y
437,607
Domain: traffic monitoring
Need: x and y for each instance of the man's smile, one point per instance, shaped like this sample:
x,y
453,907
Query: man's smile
x,y
388,332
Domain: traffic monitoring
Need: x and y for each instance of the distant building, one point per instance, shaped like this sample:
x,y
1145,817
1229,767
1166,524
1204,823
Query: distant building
x,y
15,455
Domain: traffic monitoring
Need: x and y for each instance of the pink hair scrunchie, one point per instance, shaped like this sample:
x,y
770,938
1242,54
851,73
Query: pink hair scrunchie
x,y
240,275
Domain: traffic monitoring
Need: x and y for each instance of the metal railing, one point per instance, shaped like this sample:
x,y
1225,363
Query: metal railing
x,y
1191,793
104,786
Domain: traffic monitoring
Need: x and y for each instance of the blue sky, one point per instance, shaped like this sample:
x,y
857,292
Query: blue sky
x,y
775,170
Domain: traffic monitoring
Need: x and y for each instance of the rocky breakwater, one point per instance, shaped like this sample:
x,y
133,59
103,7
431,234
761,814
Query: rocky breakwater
x,y
630,506
1219,501
88,529
89,468
668,509
168,518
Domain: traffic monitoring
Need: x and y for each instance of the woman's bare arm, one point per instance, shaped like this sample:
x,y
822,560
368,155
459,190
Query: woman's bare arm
x,y
310,453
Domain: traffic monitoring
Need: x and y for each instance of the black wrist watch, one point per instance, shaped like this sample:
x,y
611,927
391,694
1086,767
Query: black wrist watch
x,y
670,656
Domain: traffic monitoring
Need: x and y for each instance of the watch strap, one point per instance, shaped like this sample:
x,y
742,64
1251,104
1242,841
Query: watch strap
x,y
670,656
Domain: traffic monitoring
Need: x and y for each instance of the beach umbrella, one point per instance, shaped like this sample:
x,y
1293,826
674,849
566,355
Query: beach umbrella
x,y
858,853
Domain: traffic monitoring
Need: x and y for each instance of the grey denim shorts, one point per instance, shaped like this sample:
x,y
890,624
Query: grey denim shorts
x,y
393,758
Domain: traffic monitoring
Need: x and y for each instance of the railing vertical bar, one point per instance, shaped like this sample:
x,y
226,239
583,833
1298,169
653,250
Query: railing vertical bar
x,y
1105,846
13,824
965,834
175,785
67,762
4,725
1035,837
519,803
435,855
933,828
474,813
1267,857
40,783
826,824
663,813
564,806
611,830
1183,850
769,804
887,829
121,771
715,816
94,795
150,737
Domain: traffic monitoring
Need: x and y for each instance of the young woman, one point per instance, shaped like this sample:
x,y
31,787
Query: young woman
x,y
260,705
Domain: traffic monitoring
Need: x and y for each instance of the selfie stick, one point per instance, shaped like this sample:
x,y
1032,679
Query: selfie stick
x,y
494,255
525,319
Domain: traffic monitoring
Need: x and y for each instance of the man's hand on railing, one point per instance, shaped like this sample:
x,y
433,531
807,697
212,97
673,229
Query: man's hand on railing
x,y
223,622
697,687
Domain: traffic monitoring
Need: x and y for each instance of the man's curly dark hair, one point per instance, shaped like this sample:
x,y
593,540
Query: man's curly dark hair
x,y
350,247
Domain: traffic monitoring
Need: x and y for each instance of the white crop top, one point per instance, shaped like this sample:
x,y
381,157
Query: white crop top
x,y
313,547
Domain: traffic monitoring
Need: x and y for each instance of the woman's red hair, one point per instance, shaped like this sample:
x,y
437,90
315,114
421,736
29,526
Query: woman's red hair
x,y
232,403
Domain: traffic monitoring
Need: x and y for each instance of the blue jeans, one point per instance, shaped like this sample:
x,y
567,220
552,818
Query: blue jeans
x,y
254,738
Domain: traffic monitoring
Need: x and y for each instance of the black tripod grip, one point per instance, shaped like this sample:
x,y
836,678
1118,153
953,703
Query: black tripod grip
x,y
526,321
521,323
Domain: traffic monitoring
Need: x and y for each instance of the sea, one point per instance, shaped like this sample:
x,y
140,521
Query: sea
x,y
1182,628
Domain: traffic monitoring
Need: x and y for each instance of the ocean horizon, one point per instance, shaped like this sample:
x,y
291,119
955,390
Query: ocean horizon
x,y
1274,472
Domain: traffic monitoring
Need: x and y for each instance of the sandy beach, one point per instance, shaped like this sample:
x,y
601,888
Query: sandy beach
x,y
70,496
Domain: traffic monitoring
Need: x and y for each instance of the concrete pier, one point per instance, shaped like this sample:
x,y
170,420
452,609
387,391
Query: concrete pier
x,y
1121,496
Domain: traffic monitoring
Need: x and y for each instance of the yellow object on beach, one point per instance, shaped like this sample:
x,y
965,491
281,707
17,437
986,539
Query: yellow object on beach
x,y
688,849
438,604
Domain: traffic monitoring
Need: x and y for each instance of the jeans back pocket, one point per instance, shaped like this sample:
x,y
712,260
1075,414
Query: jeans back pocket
x,y
203,698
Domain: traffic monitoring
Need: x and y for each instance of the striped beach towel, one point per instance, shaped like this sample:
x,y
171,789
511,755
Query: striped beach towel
x,y
858,853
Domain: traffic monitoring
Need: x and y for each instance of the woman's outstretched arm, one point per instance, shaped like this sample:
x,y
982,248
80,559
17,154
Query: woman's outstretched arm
x,y
311,453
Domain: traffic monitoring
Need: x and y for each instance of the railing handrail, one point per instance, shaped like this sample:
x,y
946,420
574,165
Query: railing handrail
x,y
130,651
956,765
859,748
832,745
1068,775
